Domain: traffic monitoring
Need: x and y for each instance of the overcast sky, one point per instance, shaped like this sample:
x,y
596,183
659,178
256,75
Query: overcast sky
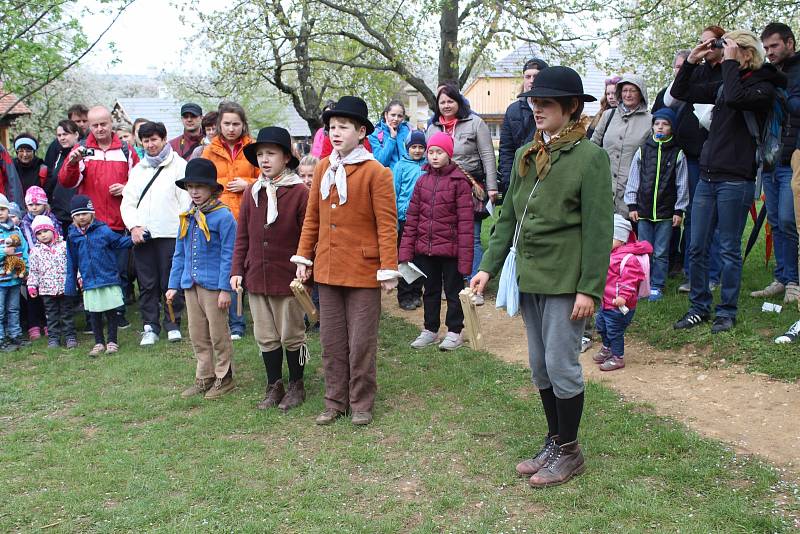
x,y
148,36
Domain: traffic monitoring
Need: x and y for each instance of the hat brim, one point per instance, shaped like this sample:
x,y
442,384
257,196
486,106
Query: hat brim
x,y
547,92
200,181
327,115
251,149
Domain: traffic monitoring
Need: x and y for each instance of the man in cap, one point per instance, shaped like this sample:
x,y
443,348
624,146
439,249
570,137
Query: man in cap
x,y
192,136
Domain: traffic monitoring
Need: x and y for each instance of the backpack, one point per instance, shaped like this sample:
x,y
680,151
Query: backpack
x,y
644,263
769,137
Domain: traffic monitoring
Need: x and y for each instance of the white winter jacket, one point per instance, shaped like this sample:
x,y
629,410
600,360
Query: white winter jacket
x,y
162,203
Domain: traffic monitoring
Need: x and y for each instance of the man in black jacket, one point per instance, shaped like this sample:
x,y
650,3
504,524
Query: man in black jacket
x,y
518,126
779,43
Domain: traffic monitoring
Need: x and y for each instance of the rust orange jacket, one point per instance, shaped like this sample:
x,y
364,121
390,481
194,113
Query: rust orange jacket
x,y
349,243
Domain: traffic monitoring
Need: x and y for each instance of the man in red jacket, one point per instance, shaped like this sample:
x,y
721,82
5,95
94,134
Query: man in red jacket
x,y
98,167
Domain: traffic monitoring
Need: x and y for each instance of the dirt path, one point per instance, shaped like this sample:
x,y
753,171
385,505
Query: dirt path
x,y
744,410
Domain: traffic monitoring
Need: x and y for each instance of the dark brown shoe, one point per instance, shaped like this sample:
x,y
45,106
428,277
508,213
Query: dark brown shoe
x,y
529,467
565,462
273,396
361,418
328,416
295,396
201,385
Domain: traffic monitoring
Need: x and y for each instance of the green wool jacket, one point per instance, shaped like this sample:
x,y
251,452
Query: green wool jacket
x,y
565,241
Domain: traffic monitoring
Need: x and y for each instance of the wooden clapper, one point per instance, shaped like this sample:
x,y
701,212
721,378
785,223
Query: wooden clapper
x,y
302,296
472,326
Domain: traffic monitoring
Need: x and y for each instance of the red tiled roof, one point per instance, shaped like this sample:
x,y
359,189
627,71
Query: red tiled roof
x,y
7,100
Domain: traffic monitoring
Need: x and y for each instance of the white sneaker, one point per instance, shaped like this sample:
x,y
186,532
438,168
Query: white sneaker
x,y
235,337
425,338
148,336
477,300
174,336
790,336
586,343
451,341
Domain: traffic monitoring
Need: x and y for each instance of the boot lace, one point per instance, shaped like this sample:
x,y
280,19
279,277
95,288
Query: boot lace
x,y
555,456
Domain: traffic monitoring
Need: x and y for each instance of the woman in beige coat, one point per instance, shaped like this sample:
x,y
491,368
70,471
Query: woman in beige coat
x,y
622,130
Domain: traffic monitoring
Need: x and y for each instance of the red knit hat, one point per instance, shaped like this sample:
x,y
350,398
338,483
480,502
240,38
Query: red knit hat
x,y
443,141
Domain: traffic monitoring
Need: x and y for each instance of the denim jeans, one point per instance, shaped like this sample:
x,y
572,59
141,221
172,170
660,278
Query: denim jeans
x,y
780,214
658,234
477,248
236,322
722,205
715,263
9,312
611,325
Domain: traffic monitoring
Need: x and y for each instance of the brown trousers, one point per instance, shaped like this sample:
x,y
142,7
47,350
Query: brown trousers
x,y
349,318
209,332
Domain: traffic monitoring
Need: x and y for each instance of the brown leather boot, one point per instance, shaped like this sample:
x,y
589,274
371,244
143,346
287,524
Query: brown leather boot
x,y
529,467
565,462
201,385
275,393
295,396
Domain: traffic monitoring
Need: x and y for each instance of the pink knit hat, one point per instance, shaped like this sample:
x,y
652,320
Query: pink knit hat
x,y
42,222
35,195
443,141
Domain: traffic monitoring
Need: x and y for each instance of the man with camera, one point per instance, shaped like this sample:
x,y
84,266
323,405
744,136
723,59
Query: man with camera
x,y
98,167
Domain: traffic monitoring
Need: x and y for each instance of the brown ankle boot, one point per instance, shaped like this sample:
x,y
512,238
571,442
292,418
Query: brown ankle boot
x,y
295,396
529,467
273,396
565,462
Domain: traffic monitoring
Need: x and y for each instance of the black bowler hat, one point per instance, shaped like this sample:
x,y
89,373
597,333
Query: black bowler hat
x,y
555,82
275,136
351,107
200,171
192,108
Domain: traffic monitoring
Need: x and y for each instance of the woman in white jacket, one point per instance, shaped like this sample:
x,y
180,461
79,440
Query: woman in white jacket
x,y
151,203
622,130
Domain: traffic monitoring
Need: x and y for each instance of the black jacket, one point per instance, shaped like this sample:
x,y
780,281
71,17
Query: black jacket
x,y
518,128
688,132
658,166
35,173
791,68
60,196
729,154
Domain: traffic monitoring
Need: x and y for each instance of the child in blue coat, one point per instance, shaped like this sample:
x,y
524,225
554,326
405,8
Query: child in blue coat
x,y
92,266
13,244
406,173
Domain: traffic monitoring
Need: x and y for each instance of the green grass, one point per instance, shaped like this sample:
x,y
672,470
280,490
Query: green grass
x,y
750,343
108,445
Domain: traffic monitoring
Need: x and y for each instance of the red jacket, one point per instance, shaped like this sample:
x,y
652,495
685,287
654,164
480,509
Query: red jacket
x,y
94,174
439,220
626,283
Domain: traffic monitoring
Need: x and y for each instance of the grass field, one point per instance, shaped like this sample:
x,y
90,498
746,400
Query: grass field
x,y
108,445
749,344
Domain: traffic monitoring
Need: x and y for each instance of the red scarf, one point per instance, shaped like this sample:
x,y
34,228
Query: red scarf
x,y
449,125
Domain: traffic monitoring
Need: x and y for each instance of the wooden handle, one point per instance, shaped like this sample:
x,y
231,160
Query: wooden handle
x,y
170,311
302,296
472,325
239,299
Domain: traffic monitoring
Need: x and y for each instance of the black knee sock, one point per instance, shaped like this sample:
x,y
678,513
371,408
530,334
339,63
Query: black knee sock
x,y
295,369
550,412
96,320
569,417
273,361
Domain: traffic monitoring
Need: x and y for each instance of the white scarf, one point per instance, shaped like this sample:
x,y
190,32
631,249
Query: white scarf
x,y
336,174
287,177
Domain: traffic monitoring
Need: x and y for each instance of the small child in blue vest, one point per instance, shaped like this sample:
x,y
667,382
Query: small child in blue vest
x,y
657,194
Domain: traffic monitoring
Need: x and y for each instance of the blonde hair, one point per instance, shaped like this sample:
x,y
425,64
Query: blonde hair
x,y
308,161
747,40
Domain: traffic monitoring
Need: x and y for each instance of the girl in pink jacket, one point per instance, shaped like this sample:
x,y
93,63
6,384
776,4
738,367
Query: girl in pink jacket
x,y
625,274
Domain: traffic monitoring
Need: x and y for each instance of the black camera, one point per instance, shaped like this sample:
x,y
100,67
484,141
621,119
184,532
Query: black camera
x,y
86,152
718,43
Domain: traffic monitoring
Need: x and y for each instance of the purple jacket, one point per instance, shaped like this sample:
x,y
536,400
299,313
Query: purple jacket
x,y
439,220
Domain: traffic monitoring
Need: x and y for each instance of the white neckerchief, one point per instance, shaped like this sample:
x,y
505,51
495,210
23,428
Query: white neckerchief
x,y
336,174
287,177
